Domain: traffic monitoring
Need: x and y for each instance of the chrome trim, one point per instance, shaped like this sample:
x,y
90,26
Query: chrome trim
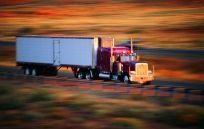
x,y
102,75
138,66
94,52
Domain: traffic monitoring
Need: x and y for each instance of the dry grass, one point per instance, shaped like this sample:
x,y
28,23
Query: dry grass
x,y
73,109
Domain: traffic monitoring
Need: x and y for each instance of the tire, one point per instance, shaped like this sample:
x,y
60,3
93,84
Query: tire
x,y
27,71
126,79
115,77
80,75
34,72
88,75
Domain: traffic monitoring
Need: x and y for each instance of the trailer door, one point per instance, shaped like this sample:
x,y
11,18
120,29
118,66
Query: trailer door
x,y
56,54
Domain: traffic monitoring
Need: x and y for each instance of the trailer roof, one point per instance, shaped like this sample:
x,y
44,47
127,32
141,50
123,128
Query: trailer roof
x,y
55,36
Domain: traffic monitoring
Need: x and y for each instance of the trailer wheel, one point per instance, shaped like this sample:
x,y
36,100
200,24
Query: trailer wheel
x,y
27,71
126,79
80,75
34,72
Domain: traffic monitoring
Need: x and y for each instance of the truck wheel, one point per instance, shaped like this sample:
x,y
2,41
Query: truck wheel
x,y
88,75
27,71
115,77
34,72
80,75
126,79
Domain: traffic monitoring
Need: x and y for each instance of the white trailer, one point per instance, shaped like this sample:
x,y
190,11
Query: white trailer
x,y
40,53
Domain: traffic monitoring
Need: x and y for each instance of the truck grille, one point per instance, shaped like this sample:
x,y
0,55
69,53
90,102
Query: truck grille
x,y
141,69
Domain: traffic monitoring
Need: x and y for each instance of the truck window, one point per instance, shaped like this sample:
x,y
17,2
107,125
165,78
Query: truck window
x,y
125,58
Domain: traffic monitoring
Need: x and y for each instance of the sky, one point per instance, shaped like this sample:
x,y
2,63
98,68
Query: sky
x,y
173,24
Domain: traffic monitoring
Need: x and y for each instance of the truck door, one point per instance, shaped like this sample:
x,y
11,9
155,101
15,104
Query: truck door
x,y
56,52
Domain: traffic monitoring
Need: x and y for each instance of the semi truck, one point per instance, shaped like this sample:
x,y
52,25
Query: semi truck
x,y
88,57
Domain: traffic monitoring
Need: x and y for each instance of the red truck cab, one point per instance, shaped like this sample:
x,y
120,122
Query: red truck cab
x,y
118,63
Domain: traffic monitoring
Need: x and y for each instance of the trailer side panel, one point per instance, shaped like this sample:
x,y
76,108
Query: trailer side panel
x,y
34,50
79,52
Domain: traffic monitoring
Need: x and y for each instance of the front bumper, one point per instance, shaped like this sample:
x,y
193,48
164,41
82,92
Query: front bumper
x,y
141,78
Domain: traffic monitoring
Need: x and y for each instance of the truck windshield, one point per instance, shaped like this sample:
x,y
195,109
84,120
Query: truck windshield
x,y
126,58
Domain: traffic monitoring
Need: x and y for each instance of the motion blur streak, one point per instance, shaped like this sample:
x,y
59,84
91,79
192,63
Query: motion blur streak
x,y
164,23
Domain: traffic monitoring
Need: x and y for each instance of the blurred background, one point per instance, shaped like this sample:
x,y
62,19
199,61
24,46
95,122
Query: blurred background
x,y
166,33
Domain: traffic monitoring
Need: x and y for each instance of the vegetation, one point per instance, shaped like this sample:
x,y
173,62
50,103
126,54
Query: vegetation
x,y
40,95
8,99
57,107
6,89
125,123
